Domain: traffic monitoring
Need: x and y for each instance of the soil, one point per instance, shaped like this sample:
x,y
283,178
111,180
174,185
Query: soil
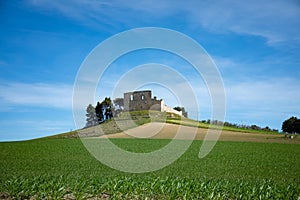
x,y
157,130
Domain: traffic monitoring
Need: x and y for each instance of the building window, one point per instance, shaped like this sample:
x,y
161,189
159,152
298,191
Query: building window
x,y
131,97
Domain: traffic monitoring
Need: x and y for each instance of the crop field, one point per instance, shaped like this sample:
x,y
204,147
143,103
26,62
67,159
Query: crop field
x,y
63,169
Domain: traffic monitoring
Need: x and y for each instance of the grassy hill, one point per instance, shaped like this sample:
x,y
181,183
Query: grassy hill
x,y
124,121
127,120
56,168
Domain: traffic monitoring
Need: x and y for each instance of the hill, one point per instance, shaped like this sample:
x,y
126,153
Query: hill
x,y
158,130
124,121
139,124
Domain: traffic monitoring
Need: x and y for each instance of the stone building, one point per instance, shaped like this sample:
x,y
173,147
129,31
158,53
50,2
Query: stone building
x,y
142,100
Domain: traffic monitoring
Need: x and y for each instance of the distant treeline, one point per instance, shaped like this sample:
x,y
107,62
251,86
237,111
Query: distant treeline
x,y
242,126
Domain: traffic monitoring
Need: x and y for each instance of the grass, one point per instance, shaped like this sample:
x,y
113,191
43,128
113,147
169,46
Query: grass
x,y
124,121
127,120
63,169
193,123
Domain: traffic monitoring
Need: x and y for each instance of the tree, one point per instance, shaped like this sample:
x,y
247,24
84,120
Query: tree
x,y
297,126
266,128
118,105
107,108
99,112
291,125
104,110
178,108
91,118
182,109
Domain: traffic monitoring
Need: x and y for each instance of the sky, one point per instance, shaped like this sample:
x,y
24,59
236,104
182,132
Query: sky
x,y
43,43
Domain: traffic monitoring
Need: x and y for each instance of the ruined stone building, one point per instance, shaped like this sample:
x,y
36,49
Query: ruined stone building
x,y
142,100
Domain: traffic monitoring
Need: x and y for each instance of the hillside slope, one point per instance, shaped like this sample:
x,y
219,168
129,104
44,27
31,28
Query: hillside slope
x,y
124,121
160,125
158,130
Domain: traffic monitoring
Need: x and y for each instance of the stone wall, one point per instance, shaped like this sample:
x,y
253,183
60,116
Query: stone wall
x,y
142,100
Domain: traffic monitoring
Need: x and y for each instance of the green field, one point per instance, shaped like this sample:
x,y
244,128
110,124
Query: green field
x,y
63,169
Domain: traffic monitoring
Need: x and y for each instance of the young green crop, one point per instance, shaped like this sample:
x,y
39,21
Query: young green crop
x,y
63,168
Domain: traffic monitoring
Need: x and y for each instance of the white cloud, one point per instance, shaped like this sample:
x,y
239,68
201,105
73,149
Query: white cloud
x,y
277,21
36,94
263,102
279,94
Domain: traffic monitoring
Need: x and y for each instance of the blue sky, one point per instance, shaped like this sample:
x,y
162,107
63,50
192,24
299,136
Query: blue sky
x,y
255,45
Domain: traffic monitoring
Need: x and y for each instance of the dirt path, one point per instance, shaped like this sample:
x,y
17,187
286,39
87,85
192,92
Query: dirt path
x,y
158,130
